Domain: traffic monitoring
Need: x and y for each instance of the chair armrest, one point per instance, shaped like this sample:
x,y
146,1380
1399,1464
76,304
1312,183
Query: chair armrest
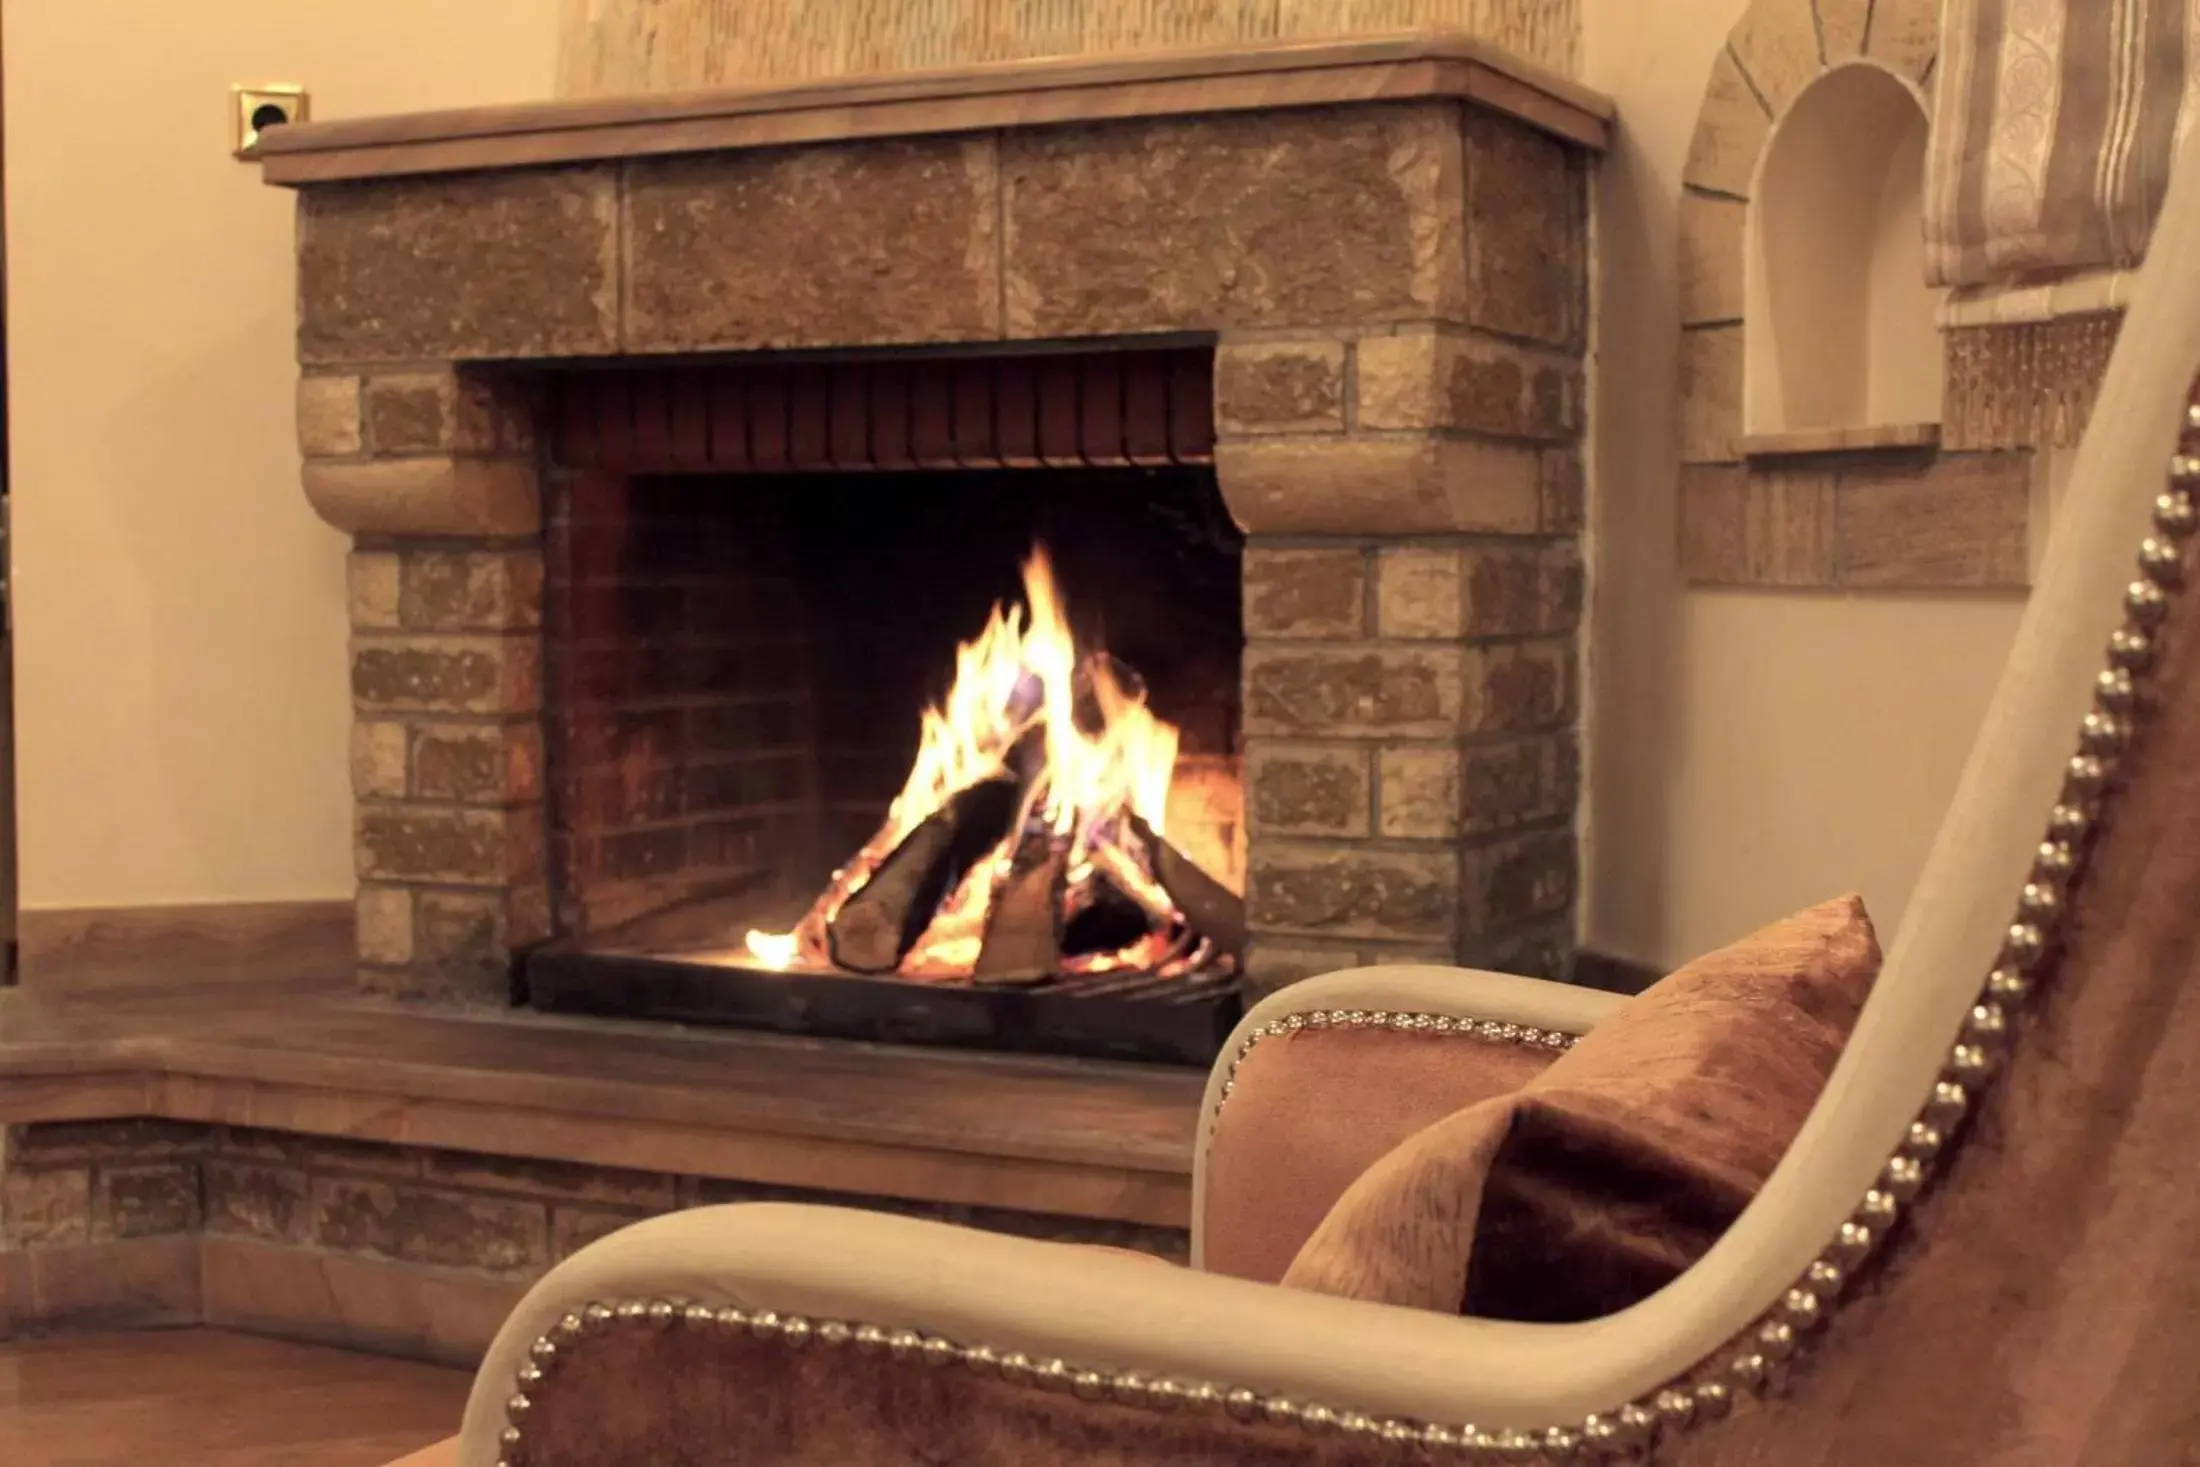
x,y
1326,1076
862,1338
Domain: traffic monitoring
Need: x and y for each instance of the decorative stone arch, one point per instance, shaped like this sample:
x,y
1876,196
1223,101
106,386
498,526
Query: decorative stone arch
x,y
1840,507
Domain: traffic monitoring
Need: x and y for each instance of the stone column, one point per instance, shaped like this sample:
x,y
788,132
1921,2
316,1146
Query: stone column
x,y
433,474
1413,498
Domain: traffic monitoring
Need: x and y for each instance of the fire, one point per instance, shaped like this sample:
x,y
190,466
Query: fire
x,y
1075,730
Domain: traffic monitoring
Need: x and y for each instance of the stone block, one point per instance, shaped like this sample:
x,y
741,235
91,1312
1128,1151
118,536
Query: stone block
x,y
1272,963
1731,130
99,1288
328,416
477,764
1279,387
501,265
1905,36
1478,590
1526,254
151,1200
1714,279
1305,593
1520,687
1503,590
1419,592
465,847
1307,789
1445,379
139,1138
1565,585
1959,520
1315,218
321,1154
446,411
1506,786
416,1224
555,1181
1841,28
1365,692
1711,394
378,764
372,582
574,1228
1544,951
1776,42
1515,882
250,1200
1403,485
1420,793
462,929
435,495
1334,892
385,924
1562,491
472,590
1746,527
45,1207
446,674
838,245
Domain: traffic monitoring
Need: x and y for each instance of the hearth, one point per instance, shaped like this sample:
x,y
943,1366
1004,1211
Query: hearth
x,y
896,697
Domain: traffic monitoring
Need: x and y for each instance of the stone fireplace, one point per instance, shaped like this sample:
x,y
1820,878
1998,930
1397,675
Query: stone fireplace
x,y
681,440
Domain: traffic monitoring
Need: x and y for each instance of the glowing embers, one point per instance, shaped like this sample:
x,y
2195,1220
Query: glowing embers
x,y
1030,841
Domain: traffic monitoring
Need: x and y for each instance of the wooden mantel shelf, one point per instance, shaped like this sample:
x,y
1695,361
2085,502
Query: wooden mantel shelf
x,y
968,99
1075,1139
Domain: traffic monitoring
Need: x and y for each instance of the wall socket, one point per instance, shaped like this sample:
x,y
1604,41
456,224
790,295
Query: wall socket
x,y
255,109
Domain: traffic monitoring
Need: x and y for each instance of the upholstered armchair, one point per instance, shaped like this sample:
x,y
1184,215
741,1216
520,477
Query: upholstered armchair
x,y
1975,1250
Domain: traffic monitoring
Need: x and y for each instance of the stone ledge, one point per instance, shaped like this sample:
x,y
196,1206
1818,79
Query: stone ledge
x,y
1080,1140
970,99
431,496
1374,487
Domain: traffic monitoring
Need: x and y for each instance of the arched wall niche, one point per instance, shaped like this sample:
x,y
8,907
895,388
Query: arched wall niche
x,y
1842,329
1811,362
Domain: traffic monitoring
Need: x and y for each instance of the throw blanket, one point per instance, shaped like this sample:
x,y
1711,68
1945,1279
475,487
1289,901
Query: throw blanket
x,y
2054,124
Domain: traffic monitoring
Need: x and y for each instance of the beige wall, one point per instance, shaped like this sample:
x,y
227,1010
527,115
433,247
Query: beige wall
x,y
182,710
1749,752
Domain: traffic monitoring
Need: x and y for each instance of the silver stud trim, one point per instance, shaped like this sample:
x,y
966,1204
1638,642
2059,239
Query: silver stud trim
x,y
1706,1393
1492,1031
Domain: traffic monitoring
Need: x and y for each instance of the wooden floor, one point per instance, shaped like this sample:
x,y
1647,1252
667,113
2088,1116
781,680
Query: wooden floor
x,y
197,1398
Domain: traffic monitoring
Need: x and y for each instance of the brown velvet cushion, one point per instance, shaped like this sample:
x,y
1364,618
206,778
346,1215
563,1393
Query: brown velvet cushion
x,y
1617,1167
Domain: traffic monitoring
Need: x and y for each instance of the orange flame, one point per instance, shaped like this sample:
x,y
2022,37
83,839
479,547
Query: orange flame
x,y
1106,755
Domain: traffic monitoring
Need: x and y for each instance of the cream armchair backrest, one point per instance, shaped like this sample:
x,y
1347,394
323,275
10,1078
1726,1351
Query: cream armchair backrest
x,y
970,1291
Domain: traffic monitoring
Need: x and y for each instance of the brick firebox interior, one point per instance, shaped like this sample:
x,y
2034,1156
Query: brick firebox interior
x,y
1379,252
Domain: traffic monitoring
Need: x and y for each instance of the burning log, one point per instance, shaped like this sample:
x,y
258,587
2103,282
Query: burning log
x,y
877,926
1023,933
1213,910
1033,728
1104,917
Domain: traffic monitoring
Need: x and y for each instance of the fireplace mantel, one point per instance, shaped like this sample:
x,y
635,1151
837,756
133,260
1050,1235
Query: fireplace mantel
x,y
968,99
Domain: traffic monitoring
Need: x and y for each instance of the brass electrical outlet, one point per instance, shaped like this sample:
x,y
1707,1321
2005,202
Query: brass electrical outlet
x,y
253,110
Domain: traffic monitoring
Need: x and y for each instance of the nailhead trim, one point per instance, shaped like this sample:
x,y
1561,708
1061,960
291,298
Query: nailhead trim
x,y
1491,1031
1706,1393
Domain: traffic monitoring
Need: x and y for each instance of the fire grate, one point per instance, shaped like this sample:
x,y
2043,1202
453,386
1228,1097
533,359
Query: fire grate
x,y
1182,1020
